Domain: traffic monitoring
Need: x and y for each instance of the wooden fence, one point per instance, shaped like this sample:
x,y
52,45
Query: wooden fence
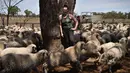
x,y
32,25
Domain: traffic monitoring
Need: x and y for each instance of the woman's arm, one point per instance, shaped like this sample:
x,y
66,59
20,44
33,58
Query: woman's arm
x,y
75,20
61,32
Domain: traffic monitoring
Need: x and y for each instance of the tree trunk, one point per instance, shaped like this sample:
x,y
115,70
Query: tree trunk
x,y
8,18
49,22
71,5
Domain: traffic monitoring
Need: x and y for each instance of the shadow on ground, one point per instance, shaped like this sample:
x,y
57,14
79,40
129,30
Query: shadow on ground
x,y
123,67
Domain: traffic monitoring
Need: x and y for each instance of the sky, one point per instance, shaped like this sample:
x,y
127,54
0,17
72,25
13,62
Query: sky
x,y
83,6
102,6
32,5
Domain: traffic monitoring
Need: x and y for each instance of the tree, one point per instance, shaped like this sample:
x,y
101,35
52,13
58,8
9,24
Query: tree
x,y
9,3
115,15
34,15
28,12
49,22
13,10
2,12
129,15
71,5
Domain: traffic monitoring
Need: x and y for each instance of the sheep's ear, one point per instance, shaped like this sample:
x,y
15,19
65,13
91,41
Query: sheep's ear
x,y
83,46
101,50
126,40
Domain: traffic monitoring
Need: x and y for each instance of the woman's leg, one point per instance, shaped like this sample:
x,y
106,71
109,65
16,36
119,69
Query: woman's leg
x,y
65,39
71,38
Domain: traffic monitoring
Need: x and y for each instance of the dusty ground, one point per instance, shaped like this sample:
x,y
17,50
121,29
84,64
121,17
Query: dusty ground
x,y
88,67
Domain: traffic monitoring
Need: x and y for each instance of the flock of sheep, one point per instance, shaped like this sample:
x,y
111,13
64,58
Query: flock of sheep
x,y
22,49
109,43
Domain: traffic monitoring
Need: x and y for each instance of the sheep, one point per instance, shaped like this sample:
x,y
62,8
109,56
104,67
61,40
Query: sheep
x,y
13,44
112,55
3,38
104,47
91,51
74,53
85,27
22,50
128,32
85,36
108,37
91,48
69,55
128,43
21,63
0,50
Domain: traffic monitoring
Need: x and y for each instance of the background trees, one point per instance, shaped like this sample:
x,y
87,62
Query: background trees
x,y
9,4
28,12
13,10
113,15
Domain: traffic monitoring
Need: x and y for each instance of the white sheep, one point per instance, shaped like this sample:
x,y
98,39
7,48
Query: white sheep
x,y
112,55
102,48
21,50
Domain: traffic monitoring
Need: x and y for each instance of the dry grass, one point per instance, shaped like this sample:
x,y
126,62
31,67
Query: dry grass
x,y
13,20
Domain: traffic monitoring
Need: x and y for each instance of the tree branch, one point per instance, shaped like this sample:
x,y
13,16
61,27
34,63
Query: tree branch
x,y
17,2
6,4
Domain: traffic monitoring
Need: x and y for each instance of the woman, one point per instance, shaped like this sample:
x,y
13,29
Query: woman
x,y
67,28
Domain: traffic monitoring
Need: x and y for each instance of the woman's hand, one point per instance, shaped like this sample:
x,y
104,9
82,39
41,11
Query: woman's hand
x,y
62,35
73,29
75,20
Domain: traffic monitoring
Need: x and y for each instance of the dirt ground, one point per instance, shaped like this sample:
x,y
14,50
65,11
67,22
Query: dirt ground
x,y
123,67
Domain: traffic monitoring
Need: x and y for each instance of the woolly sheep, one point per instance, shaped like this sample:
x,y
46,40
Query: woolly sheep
x,y
21,63
74,53
22,50
102,48
112,55
69,55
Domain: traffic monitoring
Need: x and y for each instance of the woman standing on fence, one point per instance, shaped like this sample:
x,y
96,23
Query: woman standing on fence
x,y
67,28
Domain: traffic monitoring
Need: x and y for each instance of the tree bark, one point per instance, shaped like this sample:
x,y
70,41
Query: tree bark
x,y
49,22
71,5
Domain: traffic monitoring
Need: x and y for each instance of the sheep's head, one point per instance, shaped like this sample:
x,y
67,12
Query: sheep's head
x,y
123,41
86,36
80,45
103,59
91,47
101,49
32,48
42,55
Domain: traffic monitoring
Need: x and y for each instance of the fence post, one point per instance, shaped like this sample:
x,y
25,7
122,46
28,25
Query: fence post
x,y
20,25
3,21
33,26
16,23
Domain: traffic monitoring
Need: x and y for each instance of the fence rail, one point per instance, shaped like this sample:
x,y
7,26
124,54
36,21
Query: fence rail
x,y
32,25
28,24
